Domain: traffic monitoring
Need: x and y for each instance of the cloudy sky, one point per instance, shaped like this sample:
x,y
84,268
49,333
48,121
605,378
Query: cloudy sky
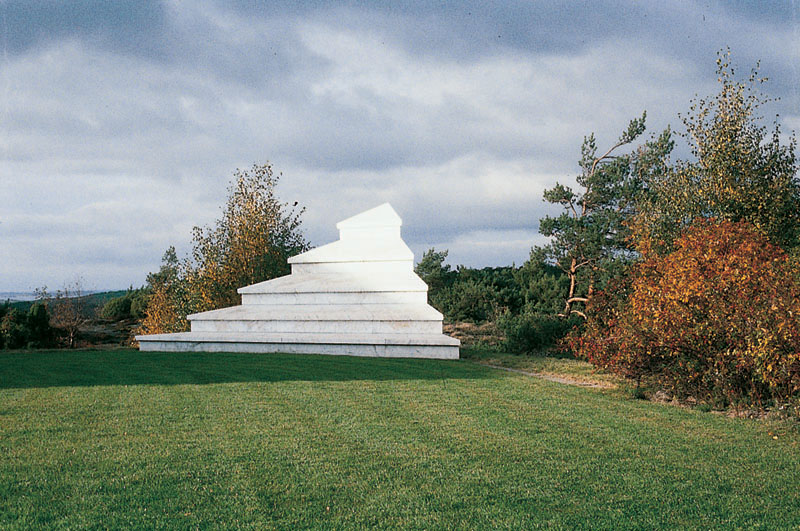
x,y
122,122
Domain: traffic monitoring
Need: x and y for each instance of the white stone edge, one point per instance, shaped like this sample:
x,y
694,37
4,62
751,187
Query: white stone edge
x,y
300,338
294,289
437,352
317,313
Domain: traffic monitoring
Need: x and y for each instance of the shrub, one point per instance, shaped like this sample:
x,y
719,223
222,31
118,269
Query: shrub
x,y
31,329
13,333
467,294
528,333
118,308
543,286
467,300
132,305
39,332
434,272
139,302
716,319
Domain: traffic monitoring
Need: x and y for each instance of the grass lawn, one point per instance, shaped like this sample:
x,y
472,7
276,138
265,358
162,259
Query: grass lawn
x,y
152,440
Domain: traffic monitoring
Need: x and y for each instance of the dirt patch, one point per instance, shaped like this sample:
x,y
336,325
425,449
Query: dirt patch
x,y
103,332
552,377
474,334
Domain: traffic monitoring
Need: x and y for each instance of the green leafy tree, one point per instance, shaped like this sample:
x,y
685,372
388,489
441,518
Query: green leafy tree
x,y
12,329
468,294
132,305
117,309
591,233
31,329
739,171
468,299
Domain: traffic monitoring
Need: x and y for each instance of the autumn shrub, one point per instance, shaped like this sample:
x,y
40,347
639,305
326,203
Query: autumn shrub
x,y
168,300
717,319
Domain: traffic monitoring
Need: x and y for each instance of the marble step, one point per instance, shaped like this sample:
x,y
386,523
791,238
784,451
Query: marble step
x,y
330,312
359,246
325,327
338,283
338,298
327,289
433,346
334,318
314,337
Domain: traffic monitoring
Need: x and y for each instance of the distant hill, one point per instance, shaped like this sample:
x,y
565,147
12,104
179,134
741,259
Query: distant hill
x,y
93,301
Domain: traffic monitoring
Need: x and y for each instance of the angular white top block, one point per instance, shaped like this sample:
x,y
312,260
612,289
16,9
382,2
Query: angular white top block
x,y
382,216
372,236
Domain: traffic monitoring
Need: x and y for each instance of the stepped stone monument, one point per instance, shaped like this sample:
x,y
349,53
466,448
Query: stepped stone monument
x,y
357,296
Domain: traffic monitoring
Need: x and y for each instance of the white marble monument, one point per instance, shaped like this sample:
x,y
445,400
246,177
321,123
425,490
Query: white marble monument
x,y
357,296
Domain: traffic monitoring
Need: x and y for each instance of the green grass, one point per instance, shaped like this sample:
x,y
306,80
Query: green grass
x,y
154,440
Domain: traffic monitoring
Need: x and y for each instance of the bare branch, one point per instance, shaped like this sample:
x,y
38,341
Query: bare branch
x,y
607,153
577,299
576,312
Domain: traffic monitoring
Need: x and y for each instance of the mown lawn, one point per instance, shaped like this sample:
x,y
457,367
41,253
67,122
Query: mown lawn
x,y
152,440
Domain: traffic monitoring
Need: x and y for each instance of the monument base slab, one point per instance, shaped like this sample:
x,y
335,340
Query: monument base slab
x,y
430,347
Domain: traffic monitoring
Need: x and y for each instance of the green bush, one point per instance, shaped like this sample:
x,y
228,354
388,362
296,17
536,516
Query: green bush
x,y
117,308
434,272
131,305
13,333
31,329
544,287
39,333
528,333
467,300
468,294
139,303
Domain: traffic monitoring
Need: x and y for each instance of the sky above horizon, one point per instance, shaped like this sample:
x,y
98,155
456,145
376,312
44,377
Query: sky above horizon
x,y
121,123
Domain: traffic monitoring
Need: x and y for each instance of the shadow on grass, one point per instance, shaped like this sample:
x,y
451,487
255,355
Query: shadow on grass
x,y
86,368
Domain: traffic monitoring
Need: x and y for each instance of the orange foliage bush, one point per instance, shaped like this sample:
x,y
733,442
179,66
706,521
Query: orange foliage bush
x,y
717,319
